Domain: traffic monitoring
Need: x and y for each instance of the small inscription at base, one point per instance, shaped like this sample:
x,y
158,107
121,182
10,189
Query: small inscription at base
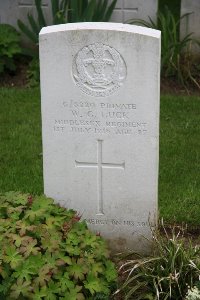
x,y
115,222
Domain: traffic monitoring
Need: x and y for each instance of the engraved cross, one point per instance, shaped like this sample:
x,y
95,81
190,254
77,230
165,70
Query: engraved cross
x,y
100,165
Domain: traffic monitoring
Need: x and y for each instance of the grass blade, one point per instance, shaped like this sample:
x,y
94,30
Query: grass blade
x,y
32,36
89,11
34,26
41,19
109,11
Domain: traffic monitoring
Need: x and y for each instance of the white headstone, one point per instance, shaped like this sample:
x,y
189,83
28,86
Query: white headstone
x,y
12,10
100,119
190,23
134,9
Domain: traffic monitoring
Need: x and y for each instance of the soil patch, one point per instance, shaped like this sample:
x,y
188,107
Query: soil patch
x,y
17,78
171,86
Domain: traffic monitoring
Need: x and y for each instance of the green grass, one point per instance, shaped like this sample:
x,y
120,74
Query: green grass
x,y
179,184
179,192
20,141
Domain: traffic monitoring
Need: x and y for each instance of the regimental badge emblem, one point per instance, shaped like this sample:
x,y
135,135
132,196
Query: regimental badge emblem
x,y
99,70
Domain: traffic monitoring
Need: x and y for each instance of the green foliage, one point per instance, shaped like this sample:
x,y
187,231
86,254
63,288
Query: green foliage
x,y
63,11
33,72
174,6
46,253
167,273
67,11
89,11
9,47
175,51
35,25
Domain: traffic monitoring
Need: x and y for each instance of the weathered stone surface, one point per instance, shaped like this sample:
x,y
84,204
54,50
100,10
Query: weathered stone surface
x,y
100,119
134,9
191,23
12,10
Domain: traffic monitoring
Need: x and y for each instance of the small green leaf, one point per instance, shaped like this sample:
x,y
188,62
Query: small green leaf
x,y
34,214
65,282
66,259
73,250
5,285
74,294
97,268
39,293
92,284
110,271
29,247
50,240
17,239
25,271
72,238
21,288
12,256
44,275
24,226
78,269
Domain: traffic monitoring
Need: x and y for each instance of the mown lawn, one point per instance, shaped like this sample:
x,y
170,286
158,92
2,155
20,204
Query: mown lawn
x,y
179,182
20,141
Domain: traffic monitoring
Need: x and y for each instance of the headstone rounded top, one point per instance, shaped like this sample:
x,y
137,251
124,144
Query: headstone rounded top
x,y
101,26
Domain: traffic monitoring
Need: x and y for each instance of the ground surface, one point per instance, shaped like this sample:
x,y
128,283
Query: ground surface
x,y
179,192
17,78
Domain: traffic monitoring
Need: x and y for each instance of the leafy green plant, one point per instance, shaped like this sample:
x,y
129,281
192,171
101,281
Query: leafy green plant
x,y
33,72
47,253
164,275
90,11
63,11
67,11
175,51
35,25
9,47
